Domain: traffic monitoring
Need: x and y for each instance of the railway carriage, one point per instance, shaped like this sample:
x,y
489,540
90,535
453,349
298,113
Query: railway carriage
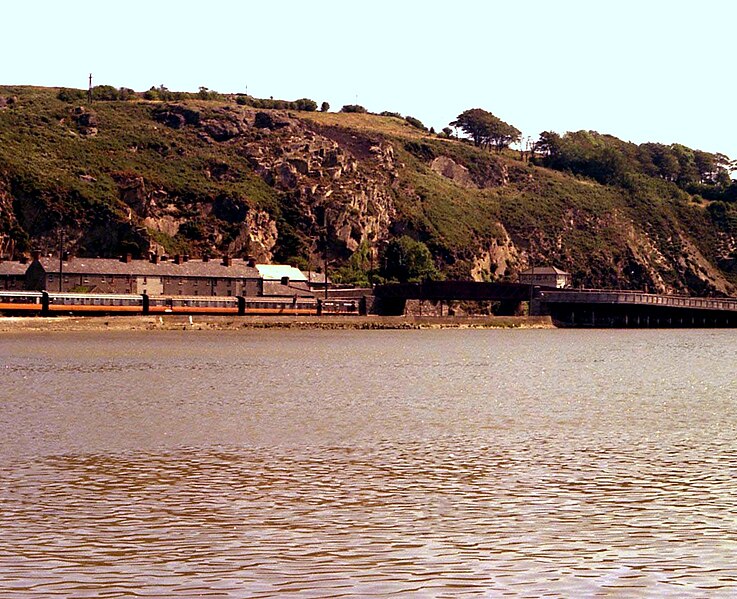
x,y
93,303
28,302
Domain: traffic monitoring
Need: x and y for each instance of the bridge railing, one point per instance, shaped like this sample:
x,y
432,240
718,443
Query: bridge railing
x,y
609,296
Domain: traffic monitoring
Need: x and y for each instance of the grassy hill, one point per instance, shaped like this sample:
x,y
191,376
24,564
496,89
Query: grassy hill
x,y
217,175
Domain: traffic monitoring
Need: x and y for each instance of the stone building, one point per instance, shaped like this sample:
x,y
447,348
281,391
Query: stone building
x,y
282,280
545,276
13,275
158,276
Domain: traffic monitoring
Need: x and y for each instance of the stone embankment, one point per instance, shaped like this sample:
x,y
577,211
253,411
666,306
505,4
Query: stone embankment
x,y
226,323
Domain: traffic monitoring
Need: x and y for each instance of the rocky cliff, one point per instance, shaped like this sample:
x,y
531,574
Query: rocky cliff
x,y
218,177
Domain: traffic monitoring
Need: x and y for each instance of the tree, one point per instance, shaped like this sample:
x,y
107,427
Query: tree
x,y
415,122
353,108
485,129
324,107
305,104
407,260
549,144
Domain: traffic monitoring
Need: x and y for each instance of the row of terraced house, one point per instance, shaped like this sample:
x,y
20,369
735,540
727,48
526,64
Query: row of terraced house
x,y
160,275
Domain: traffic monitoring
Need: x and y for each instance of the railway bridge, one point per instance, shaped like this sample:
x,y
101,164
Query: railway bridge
x,y
614,308
391,298
571,307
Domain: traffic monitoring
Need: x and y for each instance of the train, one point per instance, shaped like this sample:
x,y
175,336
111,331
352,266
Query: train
x,y
48,304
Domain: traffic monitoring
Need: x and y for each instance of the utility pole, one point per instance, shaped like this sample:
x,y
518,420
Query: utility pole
x,y
89,92
61,257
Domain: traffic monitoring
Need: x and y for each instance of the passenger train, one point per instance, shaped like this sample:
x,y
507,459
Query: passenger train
x,y
45,303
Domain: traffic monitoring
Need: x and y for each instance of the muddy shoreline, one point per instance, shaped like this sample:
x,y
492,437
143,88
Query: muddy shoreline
x,y
230,323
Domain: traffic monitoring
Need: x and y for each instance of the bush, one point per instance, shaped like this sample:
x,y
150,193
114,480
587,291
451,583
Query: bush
x,y
407,260
354,108
415,122
396,115
303,104
71,95
151,94
105,93
324,107
208,94
306,105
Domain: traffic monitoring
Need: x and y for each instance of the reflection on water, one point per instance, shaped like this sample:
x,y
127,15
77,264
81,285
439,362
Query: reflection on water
x,y
313,464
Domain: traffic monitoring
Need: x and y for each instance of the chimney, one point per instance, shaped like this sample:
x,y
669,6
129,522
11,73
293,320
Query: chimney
x,y
155,258
126,258
164,257
285,280
35,255
185,257
205,257
227,260
24,259
178,259
252,262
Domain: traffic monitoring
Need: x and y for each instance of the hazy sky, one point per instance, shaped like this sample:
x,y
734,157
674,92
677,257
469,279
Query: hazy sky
x,y
640,70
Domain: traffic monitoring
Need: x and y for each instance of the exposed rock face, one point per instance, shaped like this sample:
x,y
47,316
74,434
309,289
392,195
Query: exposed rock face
x,y
351,201
449,169
8,222
499,261
176,116
257,238
132,191
86,120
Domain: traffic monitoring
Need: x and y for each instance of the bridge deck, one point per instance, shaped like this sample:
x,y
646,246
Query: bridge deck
x,y
454,290
608,296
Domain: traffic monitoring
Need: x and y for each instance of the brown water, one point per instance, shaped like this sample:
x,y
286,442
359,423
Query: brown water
x,y
388,463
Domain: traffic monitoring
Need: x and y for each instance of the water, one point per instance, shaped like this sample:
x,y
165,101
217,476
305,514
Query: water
x,y
386,463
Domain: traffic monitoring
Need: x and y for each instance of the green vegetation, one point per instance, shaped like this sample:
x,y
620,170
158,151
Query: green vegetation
x,y
304,104
407,261
611,161
190,173
485,129
353,108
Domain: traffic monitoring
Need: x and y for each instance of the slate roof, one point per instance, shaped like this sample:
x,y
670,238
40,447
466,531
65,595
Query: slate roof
x,y
238,269
12,269
276,289
544,270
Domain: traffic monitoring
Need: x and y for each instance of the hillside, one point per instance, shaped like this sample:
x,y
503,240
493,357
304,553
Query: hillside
x,y
216,176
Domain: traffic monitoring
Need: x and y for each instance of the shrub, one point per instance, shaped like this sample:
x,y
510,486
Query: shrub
x,y
353,108
324,107
415,122
407,260
71,95
105,93
396,115
151,94
306,105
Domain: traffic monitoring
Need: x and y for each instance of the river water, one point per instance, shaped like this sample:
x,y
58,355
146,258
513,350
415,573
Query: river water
x,y
384,463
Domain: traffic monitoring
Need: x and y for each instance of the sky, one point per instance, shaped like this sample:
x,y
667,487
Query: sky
x,y
645,70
